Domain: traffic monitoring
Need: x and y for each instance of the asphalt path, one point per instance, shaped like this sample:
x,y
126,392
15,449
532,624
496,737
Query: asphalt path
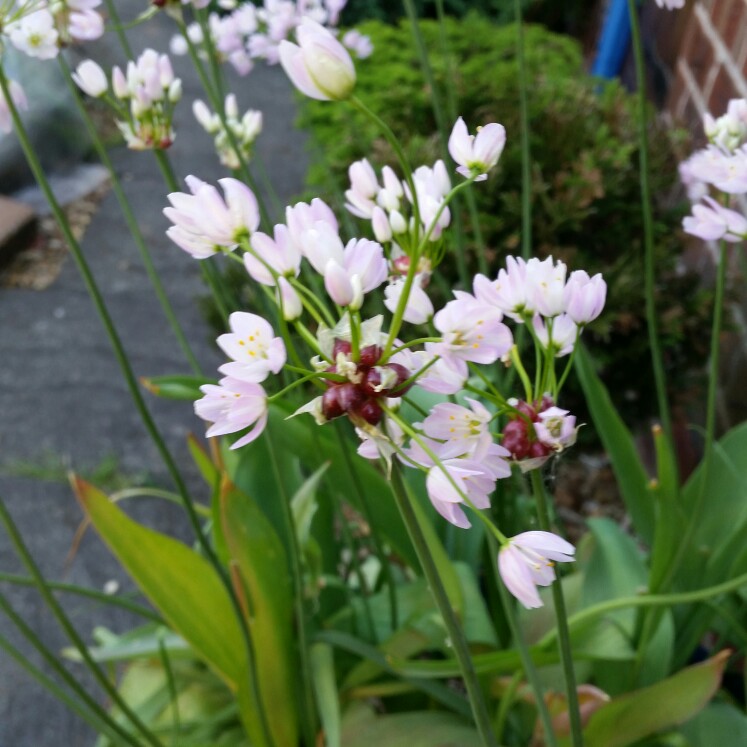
x,y
62,395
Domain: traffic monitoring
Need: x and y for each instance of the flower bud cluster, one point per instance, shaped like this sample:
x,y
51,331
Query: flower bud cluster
x,y
251,32
144,97
718,169
41,29
243,129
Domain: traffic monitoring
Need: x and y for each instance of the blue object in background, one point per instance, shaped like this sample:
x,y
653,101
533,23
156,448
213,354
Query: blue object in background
x,y
614,41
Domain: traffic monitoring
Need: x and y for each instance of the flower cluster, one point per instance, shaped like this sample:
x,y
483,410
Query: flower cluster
x,y
40,29
144,97
366,369
237,146
718,170
252,32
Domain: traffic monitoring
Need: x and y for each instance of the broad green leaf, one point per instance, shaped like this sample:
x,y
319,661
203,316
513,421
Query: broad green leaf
x,y
618,442
181,584
361,727
325,692
176,387
258,553
716,724
633,716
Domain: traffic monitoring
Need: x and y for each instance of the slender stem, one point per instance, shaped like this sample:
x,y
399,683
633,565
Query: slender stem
x,y
97,596
397,148
710,430
526,660
111,9
507,700
219,106
69,629
646,600
307,698
648,231
456,635
526,156
131,220
564,637
92,717
368,516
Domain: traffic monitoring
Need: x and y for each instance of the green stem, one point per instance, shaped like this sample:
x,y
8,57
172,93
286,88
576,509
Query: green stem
x,y
114,17
92,717
219,106
441,127
131,222
456,635
69,629
710,431
526,660
646,600
97,596
368,516
648,231
564,637
391,138
526,157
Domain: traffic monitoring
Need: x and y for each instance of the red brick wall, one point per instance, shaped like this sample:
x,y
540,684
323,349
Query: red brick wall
x,y
709,65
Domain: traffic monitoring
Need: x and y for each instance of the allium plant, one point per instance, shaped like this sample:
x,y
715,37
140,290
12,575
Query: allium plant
x,y
458,404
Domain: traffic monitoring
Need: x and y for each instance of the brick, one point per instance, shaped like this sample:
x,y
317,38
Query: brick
x,y
17,227
728,18
697,50
722,90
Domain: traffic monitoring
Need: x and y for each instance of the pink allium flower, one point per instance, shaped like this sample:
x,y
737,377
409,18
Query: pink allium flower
x,y
463,431
584,297
545,281
696,189
252,346
508,292
472,331
18,96
279,254
288,300
204,219
556,428
445,376
472,480
711,222
727,172
527,561
419,308
303,216
563,335
363,268
382,228
231,406
35,35
729,131
319,66
91,78
671,4
84,23
380,442
476,154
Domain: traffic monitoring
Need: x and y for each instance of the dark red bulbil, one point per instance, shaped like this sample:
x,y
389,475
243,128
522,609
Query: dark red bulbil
x,y
519,436
360,400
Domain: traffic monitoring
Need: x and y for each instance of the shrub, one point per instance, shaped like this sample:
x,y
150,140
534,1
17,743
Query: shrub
x,y
585,189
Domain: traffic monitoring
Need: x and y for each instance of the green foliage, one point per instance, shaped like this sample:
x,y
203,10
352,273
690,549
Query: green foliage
x,y
585,189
